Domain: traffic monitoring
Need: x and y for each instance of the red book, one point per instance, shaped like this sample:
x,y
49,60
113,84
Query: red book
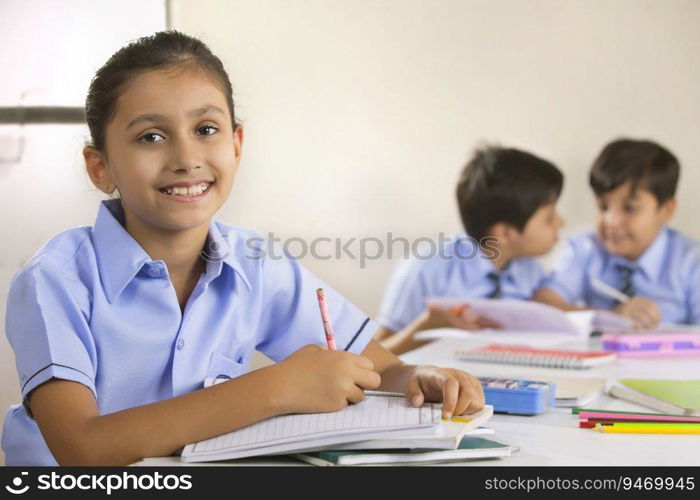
x,y
551,358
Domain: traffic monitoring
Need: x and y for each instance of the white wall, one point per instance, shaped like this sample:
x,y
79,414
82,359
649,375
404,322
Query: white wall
x,y
50,51
359,114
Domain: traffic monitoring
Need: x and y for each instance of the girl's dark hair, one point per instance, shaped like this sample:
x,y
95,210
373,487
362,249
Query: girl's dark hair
x,y
504,185
644,164
163,50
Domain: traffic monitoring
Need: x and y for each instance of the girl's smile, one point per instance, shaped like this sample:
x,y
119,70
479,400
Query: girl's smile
x,y
187,192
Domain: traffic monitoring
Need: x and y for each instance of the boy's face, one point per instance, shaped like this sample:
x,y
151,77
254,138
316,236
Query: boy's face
x,y
172,128
539,234
628,222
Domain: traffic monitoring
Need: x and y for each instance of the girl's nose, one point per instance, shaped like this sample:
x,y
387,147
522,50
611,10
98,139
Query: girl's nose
x,y
185,156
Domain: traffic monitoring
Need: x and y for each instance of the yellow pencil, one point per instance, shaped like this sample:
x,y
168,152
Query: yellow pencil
x,y
648,428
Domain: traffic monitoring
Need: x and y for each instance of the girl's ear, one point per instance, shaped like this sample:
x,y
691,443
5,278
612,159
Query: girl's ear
x,y
238,141
97,170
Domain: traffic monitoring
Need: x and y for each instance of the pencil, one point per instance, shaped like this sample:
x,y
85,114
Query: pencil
x,y
611,292
327,327
647,428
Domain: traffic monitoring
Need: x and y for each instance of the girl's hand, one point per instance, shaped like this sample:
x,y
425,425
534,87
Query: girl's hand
x,y
644,313
314,379
459,392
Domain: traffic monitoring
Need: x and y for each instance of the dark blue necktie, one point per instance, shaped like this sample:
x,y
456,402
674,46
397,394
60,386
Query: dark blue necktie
x,y
626,285
496,278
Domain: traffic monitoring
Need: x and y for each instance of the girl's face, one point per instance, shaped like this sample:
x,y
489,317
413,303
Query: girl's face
x,y
172,151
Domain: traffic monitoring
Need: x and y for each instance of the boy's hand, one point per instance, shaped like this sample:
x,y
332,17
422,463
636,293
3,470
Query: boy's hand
x,y
459,392
644,313
314,379
456,317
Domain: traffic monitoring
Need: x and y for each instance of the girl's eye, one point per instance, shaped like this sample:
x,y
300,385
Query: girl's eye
x,y
213,130
630,209
147,138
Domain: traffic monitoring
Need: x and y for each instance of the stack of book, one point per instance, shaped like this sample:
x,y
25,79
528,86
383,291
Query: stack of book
x,y
382,429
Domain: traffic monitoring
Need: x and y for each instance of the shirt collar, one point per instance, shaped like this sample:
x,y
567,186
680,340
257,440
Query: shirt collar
x,y
219,248
120,257
484,265
652,259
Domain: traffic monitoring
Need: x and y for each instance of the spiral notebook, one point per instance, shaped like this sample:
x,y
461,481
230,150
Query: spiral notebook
x,y
550,358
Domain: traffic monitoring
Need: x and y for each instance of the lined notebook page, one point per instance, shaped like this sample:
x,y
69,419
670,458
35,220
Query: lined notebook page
x,y
374,414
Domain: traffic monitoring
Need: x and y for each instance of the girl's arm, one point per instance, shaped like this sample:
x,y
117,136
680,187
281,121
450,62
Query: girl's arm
x,y
310,380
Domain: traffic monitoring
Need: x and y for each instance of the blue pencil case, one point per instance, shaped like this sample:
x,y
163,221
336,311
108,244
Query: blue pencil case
x,y
517,396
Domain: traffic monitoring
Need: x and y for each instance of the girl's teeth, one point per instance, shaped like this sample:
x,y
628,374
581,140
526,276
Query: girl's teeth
x,y
191,191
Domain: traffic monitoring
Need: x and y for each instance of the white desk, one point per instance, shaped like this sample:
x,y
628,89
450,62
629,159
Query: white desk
x,y
553,437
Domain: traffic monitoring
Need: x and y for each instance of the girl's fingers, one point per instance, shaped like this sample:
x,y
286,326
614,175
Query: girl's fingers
x,y
356,395
471,395
450,394
367,379
362,361
414,393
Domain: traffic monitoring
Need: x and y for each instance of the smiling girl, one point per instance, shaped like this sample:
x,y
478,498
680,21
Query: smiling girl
x,y
122,329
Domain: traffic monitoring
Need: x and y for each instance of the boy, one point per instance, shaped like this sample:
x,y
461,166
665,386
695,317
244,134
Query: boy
x,y
634,182
507,202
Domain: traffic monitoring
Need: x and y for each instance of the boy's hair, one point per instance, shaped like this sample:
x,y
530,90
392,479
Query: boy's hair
x,y
504,185
163,50
644,164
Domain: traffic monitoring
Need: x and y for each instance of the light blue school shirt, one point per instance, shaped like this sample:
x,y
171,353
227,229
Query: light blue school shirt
x,y
668,273
457,269
93,308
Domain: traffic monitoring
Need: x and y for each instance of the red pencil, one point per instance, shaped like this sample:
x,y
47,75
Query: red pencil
x,y
327,327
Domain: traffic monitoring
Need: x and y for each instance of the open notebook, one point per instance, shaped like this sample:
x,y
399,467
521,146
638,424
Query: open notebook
x,y
377,417
530,316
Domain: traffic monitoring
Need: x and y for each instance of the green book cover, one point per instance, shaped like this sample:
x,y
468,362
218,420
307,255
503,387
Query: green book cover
x,y
469,447
682,393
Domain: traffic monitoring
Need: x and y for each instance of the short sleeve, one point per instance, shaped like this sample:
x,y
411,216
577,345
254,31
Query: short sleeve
x,y
291,315
48,330
568,275
405,296
694,295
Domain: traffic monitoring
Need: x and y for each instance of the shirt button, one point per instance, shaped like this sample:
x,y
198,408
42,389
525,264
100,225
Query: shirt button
x,y
154,271
180,344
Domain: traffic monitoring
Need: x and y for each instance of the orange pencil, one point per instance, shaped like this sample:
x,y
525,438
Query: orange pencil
x,y
327,327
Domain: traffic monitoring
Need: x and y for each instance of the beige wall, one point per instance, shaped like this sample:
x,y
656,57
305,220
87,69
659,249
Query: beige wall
x,y
359,114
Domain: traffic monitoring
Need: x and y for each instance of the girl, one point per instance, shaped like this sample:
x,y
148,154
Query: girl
x,y
117,327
